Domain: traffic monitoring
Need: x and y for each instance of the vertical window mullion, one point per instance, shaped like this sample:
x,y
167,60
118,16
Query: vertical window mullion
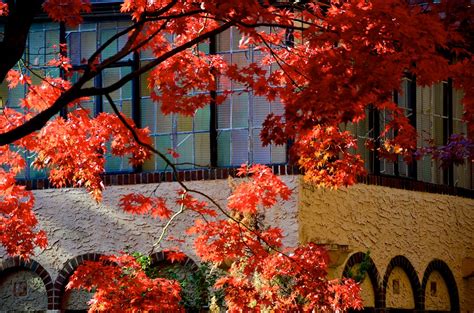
x,y
250,110
62,41
213,112
448,125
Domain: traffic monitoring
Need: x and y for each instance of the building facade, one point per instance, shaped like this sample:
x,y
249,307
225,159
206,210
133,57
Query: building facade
x,y
411,225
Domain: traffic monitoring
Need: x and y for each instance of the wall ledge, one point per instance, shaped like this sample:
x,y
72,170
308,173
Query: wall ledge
x,y
223,173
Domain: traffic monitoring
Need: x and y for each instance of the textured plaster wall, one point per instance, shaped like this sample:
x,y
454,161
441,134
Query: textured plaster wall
x,y
35,298
391,222
76,225
439,299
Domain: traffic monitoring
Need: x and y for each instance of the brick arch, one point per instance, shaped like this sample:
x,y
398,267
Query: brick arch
x,y
159,257
406,265
445,271
372,272
65,273
15,263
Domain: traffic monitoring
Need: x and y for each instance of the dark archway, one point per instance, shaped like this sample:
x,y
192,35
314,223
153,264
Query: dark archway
x,y
443,269
16,263
405,264
65,273
161,257
372,272
191,277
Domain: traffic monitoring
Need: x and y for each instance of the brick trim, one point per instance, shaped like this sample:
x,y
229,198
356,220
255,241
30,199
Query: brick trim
x,y
71,265
415,185
65,273
443,269
405,264
372,272
160,257
11,264
223,173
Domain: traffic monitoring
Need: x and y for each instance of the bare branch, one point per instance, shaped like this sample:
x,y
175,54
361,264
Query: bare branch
x,y
167,225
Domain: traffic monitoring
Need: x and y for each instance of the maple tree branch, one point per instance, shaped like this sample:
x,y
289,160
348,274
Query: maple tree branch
x,y
278,59
147,40
75,92
163,9
136,27
109,41
126,49
173,16
32,70
93,91
39,120
284,26
167,225
16,29
183,185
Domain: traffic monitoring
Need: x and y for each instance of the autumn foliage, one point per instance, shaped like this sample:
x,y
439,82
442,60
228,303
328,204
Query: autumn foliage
x,y
330,61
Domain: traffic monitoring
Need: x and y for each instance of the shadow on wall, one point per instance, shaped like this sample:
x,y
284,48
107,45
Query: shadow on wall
x,y
400,289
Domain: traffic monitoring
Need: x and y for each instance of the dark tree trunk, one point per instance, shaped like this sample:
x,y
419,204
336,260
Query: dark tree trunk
x,y
17,26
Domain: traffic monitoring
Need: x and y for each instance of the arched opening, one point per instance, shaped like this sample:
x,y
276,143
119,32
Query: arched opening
x,y
361,268
439,288
401,286
436,293
25,287
399,292
73,300
190,276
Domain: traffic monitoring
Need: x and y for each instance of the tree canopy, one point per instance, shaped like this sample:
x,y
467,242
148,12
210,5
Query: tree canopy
x,y
331,61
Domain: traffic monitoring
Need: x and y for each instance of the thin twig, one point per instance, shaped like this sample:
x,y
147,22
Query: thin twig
x,y
167,225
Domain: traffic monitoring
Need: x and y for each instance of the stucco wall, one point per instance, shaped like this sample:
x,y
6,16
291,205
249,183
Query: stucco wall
x,y
390,222
76,225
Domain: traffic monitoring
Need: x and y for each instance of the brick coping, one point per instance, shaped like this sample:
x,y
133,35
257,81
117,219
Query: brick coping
x,y
120,179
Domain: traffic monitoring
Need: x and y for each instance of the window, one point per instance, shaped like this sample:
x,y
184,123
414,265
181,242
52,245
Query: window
x,y
38,51
83,41
463,175
361,132
239,121
437,113
240,117
431,122
405,100
188,136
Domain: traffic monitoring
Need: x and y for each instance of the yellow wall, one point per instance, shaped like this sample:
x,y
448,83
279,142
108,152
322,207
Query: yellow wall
x,y
390,222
